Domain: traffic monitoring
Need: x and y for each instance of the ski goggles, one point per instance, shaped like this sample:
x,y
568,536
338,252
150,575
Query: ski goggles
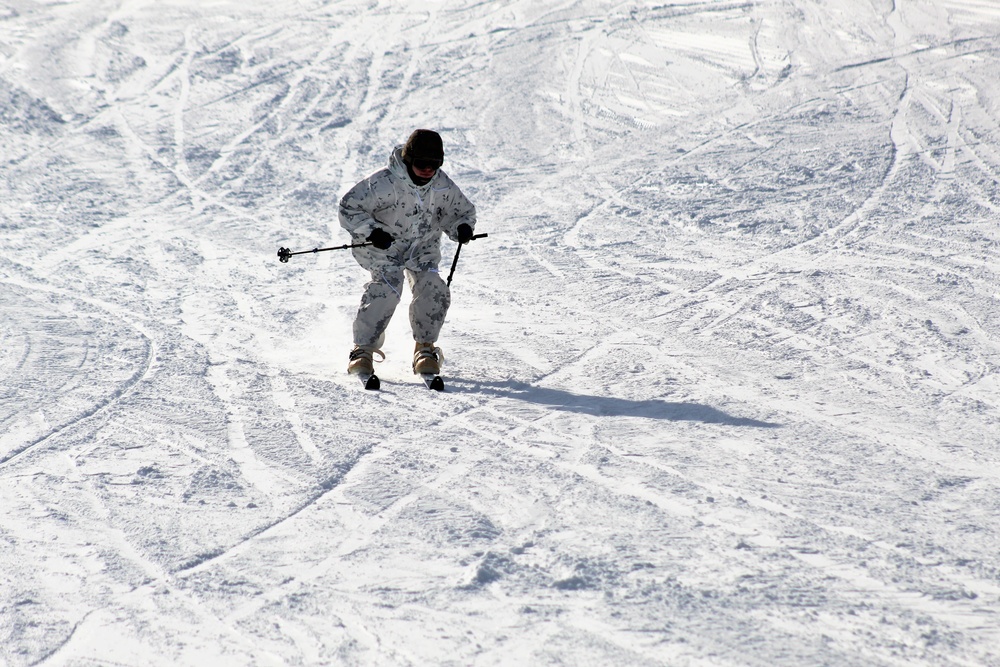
x,y
423,163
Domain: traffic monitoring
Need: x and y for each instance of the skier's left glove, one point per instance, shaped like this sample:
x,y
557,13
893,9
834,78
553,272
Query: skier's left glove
x,y
464,233
380,238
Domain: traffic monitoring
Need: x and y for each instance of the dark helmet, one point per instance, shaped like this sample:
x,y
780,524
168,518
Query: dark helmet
x,y
424,145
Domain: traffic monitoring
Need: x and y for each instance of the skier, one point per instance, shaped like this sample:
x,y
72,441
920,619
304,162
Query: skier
x,y
402,210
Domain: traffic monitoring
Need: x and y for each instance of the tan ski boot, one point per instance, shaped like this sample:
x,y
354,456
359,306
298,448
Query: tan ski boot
x,y
427,359
361,360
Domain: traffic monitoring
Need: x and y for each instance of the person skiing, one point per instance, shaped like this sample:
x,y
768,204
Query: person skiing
x,y
403,209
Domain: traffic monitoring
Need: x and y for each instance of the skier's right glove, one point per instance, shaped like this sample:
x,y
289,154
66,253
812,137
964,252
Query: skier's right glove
x,y
380,238
464,233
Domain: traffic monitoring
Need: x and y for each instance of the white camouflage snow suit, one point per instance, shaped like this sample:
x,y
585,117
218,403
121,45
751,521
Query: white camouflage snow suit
x,y
416,216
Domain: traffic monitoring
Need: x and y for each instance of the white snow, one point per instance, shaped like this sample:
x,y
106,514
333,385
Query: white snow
x,y
724,380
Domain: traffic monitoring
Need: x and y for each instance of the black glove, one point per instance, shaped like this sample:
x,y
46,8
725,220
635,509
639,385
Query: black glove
x,y
380,238
464,233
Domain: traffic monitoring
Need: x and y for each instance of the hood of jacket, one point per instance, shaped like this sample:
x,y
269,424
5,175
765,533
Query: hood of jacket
x,y
399,170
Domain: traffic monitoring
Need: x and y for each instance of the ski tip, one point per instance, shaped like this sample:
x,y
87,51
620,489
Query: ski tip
x,y
372,382
434,382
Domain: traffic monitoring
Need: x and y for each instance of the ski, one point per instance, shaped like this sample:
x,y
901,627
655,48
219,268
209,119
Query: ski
x,y
433,381
370,381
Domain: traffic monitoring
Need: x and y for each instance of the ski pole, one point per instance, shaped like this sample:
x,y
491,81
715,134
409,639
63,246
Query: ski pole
x,y
285,253
454,262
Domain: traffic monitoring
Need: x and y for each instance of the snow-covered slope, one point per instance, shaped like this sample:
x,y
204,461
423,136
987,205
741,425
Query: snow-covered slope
x,y
724,378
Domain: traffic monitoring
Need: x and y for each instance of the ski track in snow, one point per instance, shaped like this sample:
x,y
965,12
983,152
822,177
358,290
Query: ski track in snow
x,y
723,379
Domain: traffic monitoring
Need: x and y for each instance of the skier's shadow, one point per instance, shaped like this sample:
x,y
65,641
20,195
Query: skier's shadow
x,y
606,406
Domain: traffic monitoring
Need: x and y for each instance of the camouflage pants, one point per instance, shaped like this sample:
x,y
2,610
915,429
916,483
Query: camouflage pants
x,y
431,298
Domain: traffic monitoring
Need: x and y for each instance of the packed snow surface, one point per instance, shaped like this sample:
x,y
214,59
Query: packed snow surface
x,y
723,380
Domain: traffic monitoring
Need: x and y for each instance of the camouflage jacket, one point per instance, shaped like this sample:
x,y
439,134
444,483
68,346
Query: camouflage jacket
x,y
416,216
